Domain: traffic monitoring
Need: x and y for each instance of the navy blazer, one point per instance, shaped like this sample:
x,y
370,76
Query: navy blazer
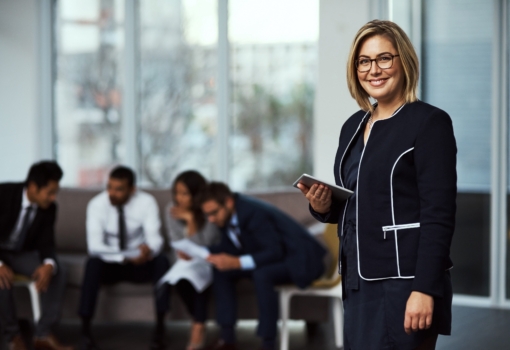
x,y
406,195
271,236
40,236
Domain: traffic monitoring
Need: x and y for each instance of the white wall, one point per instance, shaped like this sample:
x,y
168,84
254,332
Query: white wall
x,y
339,22
19,123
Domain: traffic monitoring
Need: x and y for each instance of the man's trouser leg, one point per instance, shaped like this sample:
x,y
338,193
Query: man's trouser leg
x,y
265,279
25,263
226,301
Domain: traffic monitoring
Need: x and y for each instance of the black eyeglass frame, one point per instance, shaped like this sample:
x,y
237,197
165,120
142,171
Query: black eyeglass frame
x,y
375,59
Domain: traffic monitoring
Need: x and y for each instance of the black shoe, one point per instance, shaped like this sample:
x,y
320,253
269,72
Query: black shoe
x,y
221,345
88,343
158,341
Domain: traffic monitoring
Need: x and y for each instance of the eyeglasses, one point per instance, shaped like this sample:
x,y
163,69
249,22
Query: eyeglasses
x,y
212,212
364,64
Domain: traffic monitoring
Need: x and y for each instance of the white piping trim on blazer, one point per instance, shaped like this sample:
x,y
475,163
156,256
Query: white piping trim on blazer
x,y
400,227
357,201
393,209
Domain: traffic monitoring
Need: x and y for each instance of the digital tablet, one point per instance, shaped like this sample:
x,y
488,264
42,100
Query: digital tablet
x,y
339,193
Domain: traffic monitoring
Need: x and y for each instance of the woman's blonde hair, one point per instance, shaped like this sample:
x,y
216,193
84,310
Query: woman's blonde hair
x,y
406,53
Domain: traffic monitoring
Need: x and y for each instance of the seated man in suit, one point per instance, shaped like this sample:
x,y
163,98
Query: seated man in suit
x,y
262,243
124,244
27,247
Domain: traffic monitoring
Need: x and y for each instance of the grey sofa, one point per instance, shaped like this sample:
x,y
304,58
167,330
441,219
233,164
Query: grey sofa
x,y
130,302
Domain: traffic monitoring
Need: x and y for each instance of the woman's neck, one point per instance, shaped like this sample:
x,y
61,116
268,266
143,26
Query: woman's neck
x,y
386,110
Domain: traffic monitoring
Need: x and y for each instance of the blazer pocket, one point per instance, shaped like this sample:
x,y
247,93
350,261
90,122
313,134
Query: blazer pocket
x,y
406,246
399,227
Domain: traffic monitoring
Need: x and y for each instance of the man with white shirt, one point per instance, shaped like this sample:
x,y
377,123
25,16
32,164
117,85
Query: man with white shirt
x,y
124,244
27,247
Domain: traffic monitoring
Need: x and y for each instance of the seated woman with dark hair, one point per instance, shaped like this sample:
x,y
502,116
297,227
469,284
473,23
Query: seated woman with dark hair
x,y
185,219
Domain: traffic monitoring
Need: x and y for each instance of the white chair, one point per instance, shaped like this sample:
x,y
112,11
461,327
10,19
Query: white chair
x,y
328,286
23,281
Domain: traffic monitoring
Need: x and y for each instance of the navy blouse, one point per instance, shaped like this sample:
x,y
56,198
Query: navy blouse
x,y
349,258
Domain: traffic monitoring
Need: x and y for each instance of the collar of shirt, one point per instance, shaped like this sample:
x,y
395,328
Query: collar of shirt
x,y
25,202
132,201
234,221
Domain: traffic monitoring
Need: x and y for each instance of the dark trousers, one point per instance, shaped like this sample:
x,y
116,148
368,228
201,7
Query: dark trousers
x,y
265,279
99,272
25,263
196,303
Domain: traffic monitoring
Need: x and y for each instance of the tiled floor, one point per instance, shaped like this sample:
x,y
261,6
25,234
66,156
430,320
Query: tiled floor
x,y
473,328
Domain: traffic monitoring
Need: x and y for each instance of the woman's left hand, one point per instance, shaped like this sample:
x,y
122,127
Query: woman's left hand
x,y
419,309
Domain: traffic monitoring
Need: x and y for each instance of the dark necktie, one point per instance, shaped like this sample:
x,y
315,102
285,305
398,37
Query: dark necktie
x,y
18,245
122,229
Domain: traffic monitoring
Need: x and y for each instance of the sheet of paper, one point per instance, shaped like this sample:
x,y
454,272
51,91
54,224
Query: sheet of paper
x,y
197,271
191,249
116,256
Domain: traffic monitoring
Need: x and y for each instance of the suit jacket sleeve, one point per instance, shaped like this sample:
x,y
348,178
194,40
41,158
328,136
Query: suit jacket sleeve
x,y
45,241
262,227
331,217
435,161
266,246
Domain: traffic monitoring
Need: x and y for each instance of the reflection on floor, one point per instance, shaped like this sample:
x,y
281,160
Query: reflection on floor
x,y
473,328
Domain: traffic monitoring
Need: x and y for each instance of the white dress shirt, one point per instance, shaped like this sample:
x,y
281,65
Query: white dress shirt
x,y
13,238
143,225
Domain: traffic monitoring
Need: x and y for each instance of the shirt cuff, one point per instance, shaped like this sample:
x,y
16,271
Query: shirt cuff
x,y
247,262
52,263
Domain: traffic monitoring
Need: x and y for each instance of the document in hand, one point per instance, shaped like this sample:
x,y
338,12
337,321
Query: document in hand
x,y
197,271
339,193
116,256
191,249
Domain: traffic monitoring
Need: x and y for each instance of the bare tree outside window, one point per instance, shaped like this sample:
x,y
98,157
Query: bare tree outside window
x,y
89,89
272,78
178,92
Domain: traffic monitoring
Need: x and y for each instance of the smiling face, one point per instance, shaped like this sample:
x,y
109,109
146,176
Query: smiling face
x,y
385,85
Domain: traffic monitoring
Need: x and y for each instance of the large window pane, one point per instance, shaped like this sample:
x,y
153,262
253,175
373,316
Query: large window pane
x,y
457,71
273,68
178,113
88,94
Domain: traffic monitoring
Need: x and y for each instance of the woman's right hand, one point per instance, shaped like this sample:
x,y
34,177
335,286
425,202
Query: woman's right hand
x,y
319,197
181,214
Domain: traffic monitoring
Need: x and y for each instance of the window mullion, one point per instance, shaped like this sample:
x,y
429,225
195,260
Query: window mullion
x,y
130,95
223,91
46,80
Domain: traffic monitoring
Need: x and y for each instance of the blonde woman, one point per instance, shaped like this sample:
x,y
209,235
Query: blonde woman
x,y
399,157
